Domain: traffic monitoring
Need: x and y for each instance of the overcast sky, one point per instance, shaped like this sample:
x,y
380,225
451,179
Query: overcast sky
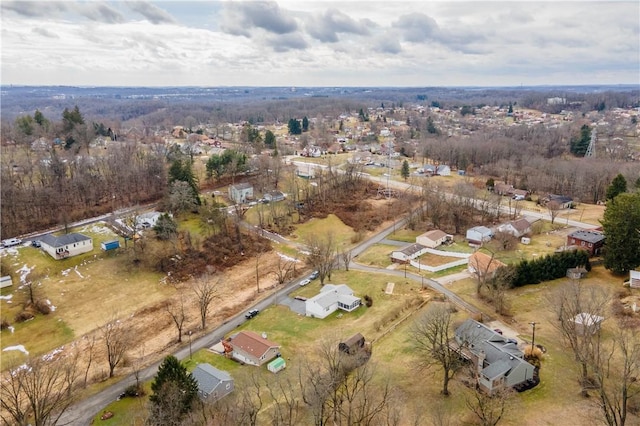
x,y
319,43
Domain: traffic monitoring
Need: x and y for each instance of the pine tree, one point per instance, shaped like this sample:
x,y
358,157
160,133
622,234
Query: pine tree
x,y
621,225
404,172
174,387
617,187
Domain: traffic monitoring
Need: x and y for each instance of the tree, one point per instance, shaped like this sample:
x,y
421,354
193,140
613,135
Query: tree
x,y
178,315
617,187
206,290
430,335
554,209
322,255
181,171
498,285
579,144
294,127
305,124
489,409
404,172
431,128
117,340
621,226
38,391
270,139
181,197
174,392
165,228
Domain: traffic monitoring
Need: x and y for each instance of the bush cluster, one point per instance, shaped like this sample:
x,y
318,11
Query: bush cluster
x,y
549,267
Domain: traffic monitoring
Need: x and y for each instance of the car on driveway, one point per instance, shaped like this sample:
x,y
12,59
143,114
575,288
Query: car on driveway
x,y
252,313
304,282
11,242
36,243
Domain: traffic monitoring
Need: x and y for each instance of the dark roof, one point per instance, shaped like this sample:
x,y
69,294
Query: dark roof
x,y
563,199
412,249
588,236
242,185
62,240
209,377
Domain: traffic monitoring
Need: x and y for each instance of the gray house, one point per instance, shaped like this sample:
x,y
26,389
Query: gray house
x,y
478,235
498,361
213,384
241,192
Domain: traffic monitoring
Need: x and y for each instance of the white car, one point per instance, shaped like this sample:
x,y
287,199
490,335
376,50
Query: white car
x,y
304,282
11,242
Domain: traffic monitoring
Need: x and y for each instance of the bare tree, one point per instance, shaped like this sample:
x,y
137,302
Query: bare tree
x,y
554,209
284,268
616,370
287,402
117,340
91,342
321,255
206,290
498,286
39,391
574,302
431,334
178,315
345,256
489,409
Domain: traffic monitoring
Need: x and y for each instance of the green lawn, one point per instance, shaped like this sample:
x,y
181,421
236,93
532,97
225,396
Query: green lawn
x,y
377,255
331,225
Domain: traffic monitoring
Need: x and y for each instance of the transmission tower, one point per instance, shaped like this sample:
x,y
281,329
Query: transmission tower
x,y
591,149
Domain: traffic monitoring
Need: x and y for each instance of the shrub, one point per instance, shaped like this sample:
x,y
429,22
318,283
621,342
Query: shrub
x,y
368,301
133,391
43,307
24,316
4,324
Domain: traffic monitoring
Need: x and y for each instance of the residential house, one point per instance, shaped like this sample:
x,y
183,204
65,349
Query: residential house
x,y
483,265
147,220
587,323
439,170
590,241
330,299
517,228
213,384
433,239
502,189
241,192
273,196
67,245
496,359
252,348
408,253
479,235
562,201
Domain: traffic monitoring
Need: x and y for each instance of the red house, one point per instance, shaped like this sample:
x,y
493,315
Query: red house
x,y
590,241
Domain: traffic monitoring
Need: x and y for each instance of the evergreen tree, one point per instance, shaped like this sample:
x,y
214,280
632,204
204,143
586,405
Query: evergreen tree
x,y
173,387
621,225
270,139
404,172
305,124
431,128
165,227
294,127
181,170
578,145
617,187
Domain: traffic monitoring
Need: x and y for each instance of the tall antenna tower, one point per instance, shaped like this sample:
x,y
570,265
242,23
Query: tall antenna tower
x,y
591,149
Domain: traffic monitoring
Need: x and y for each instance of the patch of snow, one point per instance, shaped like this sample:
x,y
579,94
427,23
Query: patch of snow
x,y
78,272
24,271
65,272
287,258
7,297
11,329
97,229
53,308
20,348
51,355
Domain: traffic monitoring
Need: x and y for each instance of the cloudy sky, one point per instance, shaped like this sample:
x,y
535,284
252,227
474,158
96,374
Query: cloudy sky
x,y
319,43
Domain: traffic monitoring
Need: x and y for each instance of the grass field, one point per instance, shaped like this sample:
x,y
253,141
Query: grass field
x,y
331,225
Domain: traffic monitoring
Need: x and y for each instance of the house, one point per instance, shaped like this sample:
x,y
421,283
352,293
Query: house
x,y
241,192
276,365
67,245
408,253
273,196
147,220
439,170
479,235
482,265
330,299
497,360
590,241
562,201
6,281
352,345
517,228
587,323
503,189
251,348
634,279
213,384
433,239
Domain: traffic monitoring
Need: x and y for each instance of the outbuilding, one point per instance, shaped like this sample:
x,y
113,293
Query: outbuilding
x,y
277,365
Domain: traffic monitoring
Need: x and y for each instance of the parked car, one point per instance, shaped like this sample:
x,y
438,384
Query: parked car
x,y
304,282
314,275
36,243
11,242
252,313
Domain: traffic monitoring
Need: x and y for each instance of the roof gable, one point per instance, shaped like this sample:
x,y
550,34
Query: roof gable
x,y
209,377
252,343
63,240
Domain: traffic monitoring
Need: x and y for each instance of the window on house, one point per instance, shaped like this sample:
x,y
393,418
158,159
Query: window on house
x,y
228,386
590,244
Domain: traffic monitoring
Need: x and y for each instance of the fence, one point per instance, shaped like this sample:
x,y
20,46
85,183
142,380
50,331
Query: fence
x,y
464,259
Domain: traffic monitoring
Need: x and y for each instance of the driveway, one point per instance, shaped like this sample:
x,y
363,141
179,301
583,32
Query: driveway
x,y
296,306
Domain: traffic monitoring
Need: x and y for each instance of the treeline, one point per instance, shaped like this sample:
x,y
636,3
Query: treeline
x,y
549,267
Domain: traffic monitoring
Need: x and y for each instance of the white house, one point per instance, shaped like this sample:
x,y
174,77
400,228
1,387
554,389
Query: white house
x,y
479,235
330,299
439,170
517,228
67,245
241,192
432,239
408,253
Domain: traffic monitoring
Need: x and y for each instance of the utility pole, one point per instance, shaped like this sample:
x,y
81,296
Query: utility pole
x,y
533,337
190,353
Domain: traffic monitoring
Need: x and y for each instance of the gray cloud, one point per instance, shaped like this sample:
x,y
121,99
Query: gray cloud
x,y
287,42
239,18
151,12
44,32
100,12
417,27
34,9
326,27
388,44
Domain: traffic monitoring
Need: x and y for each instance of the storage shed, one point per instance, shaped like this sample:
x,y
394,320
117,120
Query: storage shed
x,y
276,365
110,245
6,281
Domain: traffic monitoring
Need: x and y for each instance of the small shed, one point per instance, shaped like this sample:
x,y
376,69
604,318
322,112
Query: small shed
x,y
576,273
110,245
352,345
6,281
587,323
634,279
277,365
